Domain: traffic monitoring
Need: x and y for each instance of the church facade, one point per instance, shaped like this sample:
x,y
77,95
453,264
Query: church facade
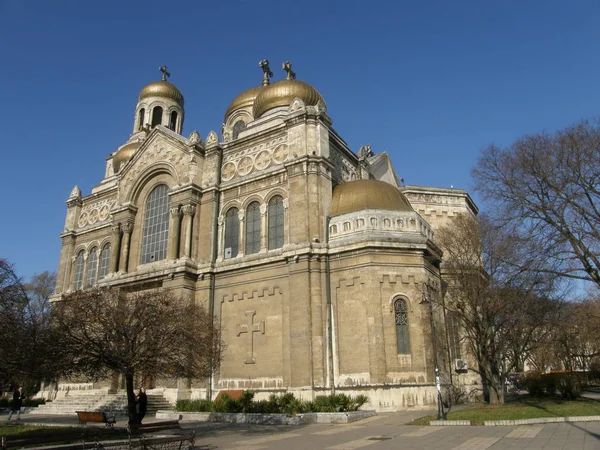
x,y
316,263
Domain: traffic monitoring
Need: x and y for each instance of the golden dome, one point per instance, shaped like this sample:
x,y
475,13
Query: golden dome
x,y
243,100
161,88
281,93
124,154
367,194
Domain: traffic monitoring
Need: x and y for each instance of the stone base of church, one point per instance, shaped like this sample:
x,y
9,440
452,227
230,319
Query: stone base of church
x,y
381,399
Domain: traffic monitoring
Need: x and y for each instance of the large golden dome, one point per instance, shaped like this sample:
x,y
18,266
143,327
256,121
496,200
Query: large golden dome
x,y
281,93
367,194
243,100
161,88
124,154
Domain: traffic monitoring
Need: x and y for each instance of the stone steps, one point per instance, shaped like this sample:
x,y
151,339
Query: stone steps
x,y
95,401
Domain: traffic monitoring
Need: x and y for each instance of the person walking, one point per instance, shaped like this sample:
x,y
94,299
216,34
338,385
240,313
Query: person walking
x,y
17,402
142,403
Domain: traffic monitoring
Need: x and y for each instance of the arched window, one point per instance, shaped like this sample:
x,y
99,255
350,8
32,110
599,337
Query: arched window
x,y
155,234
275,213
238,127
141,115
157,113
401,313
104,261
92,265
232,233
253,228
78,278
173,120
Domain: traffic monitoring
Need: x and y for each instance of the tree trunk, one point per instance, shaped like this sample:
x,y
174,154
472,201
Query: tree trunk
x,y
131,403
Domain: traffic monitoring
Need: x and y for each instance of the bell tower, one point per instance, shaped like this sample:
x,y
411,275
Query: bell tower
x,y
159,103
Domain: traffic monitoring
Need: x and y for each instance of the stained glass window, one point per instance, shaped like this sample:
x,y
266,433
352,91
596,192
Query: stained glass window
x,y
155,233
253,228
78,278
276,229
232,233
92,265
401,313
104,261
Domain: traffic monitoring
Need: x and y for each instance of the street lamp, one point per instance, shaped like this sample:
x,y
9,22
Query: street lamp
x,y
440,406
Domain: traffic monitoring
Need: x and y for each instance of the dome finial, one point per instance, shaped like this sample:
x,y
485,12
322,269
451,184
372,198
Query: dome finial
x,y
264,65
287,66
165,74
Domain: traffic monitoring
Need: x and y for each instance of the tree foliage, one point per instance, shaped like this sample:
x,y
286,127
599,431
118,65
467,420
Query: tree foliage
x,y
546,188
30,352
502,311
149,333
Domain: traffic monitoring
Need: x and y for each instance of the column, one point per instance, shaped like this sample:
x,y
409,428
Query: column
x,y
264,228
286,222
68,261
115,248
242,233
174,228
188,216
220,238
124,260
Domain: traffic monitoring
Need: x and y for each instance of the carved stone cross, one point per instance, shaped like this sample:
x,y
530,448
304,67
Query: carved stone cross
x,y
287,66
264,65
165,74
251,328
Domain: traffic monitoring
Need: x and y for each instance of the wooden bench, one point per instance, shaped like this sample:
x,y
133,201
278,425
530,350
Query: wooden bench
x,y
160,435
96,416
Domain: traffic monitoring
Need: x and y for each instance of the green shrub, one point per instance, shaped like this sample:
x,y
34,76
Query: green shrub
x,y
533,384
276,404
33,402
569,386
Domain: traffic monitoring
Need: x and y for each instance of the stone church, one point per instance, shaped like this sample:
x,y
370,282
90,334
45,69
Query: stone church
x,y
315,261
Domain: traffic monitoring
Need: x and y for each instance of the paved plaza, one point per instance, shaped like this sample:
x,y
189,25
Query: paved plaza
x,y
382,432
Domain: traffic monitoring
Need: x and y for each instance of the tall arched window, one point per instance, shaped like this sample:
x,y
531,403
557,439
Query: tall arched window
x,y
141,115
173,120
157,113
401,312
92,265
238,127
104,261
78,277
253,228
155,234
232,233
275,214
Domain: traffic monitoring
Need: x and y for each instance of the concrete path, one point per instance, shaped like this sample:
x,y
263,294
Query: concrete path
x,y
385,431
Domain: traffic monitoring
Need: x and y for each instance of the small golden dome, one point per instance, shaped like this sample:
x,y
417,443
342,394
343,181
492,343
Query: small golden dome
x,y
161,88
243,100
124,154
281,93
367,194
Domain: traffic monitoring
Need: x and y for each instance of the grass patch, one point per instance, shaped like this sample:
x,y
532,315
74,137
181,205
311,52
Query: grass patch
x,y
522,408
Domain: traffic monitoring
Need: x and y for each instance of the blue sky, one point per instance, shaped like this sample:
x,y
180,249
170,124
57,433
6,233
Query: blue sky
x,y
430,82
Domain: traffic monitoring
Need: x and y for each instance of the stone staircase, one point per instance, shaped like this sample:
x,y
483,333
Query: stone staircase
x,y
98,401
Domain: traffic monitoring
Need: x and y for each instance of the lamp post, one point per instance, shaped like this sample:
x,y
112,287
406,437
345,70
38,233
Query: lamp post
x,y
440,407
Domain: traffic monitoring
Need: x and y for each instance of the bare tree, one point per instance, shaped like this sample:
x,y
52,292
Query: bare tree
x,y
29,352
546,187
149,333
502,311
577,340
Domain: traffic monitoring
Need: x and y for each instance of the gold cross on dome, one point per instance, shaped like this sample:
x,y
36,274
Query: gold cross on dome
x,y
287,66
165,74
264,65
